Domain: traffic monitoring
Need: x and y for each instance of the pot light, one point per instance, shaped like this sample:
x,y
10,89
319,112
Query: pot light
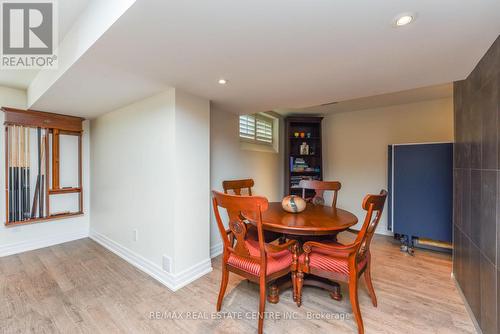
x,y
222,81
403,20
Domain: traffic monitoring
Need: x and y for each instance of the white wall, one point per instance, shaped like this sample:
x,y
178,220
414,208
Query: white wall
x,y
229,161
355,145
192,180
131,152
150,173
10,97
27,237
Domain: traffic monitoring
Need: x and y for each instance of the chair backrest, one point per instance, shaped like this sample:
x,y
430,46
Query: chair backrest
x,y
320,187
237,185
252,207
374,205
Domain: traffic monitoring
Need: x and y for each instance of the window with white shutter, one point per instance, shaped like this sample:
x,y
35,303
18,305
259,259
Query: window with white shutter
x,y
264,130
257,128
247,127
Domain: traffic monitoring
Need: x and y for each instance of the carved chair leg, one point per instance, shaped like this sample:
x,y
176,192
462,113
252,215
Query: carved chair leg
x,y
223,286
369,284
294,284
300,283
353,296
262,304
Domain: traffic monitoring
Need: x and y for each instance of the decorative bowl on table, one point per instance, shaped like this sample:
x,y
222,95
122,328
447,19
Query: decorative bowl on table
x,y
293,204
318,200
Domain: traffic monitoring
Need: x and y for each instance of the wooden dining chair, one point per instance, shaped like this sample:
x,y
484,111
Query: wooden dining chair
x,y
344,263
237,186
320,187
248,257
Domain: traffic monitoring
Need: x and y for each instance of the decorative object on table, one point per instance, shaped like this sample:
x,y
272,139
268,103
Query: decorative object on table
x,y
296,134
293,204
308,135
318,200
304,149
319,188
344,263
302,135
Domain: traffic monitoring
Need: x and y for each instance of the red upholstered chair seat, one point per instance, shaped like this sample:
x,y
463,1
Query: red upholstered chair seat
x,y
322,259
276,261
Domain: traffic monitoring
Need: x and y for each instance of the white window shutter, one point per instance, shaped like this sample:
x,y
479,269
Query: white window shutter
x,y
247,127
264,130
256,128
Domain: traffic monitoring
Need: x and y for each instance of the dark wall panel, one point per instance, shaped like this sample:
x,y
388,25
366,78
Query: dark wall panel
x,y
476,211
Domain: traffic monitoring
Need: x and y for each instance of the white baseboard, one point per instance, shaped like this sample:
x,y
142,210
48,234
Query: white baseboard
x,y
172,281
25,246
216,250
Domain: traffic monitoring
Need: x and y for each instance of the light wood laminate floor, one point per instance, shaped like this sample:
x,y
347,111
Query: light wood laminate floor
x,y
80,287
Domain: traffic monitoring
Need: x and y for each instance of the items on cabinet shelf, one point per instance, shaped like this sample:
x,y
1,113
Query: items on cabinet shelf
x,y
304,149
302,152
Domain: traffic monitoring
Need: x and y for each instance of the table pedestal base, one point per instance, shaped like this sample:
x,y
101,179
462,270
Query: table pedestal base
x,y
285,282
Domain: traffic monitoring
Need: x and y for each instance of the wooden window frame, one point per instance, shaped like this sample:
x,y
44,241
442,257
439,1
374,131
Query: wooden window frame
x,y
55,124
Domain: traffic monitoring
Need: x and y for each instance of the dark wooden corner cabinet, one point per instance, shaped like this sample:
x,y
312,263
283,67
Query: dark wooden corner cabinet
x,y
303,152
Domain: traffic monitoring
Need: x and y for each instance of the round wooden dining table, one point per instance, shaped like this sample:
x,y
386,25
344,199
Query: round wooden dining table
x,y
315,221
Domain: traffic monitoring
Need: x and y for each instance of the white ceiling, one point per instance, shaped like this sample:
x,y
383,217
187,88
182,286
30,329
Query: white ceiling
x,y
281,53
69,10
377,101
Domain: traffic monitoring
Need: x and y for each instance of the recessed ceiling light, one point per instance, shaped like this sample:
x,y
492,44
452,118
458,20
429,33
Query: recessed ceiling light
x,y
404,19
222,81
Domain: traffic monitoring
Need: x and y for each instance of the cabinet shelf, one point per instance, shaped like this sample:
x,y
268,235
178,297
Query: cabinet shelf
x,y
304,155
311,172
44,219
64,191
305,138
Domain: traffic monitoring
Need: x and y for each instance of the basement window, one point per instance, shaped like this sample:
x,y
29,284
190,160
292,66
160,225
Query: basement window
x,y
259,132
256,128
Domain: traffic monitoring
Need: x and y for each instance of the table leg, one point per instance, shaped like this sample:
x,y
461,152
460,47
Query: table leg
x,y
332,287
275,288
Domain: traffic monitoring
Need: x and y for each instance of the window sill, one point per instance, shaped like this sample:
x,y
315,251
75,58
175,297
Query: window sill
x,y
257,147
